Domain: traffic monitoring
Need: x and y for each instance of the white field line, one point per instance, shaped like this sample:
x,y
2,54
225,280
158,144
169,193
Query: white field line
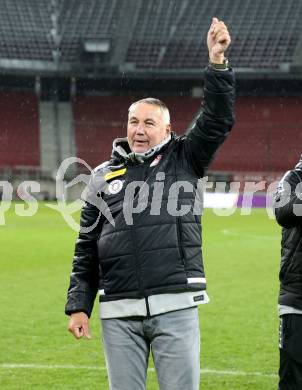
x,y
230,232
102,368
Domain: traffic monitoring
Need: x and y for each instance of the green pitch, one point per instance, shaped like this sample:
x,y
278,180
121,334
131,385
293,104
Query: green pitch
x,y
239,326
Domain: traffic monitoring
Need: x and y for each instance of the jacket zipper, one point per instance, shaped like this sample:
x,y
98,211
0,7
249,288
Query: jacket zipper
x,y
137,262
179,231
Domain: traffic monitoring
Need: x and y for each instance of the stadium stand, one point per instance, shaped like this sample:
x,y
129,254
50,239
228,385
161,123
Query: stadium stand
x,y
176,38
19,135
25,30
26,27
267,136
84,20
172,36
145,36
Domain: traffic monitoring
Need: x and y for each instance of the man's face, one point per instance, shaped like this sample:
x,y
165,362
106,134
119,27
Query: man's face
x,y
147,127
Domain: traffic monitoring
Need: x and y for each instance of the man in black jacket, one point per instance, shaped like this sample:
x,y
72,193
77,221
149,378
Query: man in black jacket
x,y
288,211
139,242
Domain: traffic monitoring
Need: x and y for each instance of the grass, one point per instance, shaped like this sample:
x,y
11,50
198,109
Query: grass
x,y
239,327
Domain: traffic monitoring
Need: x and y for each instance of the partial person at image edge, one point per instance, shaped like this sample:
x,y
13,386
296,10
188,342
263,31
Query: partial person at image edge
x,y
288,211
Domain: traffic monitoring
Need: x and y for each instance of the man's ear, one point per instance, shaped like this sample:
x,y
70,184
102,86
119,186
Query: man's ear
x,y
168,128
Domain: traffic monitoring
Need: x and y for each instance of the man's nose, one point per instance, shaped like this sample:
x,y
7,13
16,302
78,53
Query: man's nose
x,y
140,129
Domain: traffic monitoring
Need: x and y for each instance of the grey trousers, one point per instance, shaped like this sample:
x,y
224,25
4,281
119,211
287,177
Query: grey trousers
x,y
174,341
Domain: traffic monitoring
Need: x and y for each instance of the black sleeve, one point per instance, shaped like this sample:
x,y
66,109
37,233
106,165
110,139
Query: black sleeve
x,y
288,200
215,121
85,275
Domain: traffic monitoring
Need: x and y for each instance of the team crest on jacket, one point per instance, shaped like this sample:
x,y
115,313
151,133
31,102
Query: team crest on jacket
x,y
156,160
115,186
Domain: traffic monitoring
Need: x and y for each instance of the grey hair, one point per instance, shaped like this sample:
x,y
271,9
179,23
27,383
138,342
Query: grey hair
x,y
154,102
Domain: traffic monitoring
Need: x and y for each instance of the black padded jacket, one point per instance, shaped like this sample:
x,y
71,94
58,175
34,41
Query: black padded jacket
x,y
156,250
288,211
